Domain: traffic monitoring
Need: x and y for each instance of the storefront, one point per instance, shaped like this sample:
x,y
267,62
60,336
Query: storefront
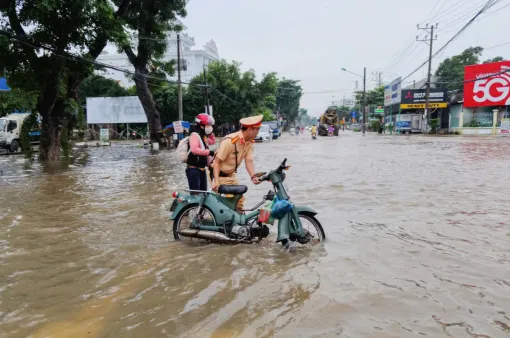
x,y
412,109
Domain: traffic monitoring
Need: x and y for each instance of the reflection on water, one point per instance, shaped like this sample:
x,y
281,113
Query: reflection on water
x,y
417,227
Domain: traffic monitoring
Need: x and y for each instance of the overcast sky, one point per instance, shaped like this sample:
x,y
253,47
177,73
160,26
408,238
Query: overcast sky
x,y
312,40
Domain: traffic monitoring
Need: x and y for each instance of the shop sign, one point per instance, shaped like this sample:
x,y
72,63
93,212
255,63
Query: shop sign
x,y
487,84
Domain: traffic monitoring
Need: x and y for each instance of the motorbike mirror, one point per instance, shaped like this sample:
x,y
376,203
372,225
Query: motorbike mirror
x,y
284,161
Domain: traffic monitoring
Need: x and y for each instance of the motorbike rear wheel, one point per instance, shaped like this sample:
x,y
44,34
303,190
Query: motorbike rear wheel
x,y
320,235
178,222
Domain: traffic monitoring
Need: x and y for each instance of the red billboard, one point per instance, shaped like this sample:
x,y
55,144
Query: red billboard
x,y
489,85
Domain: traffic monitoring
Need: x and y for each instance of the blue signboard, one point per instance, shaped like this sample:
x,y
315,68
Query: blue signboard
x,y
403,124
3,85
353,114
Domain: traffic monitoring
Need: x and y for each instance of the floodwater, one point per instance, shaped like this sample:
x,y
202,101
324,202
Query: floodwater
x,y
418,245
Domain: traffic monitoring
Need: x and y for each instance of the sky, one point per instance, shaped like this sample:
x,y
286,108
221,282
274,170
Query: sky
x,y
312,40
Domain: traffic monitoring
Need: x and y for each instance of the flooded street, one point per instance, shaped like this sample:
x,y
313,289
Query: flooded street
x,y
418,235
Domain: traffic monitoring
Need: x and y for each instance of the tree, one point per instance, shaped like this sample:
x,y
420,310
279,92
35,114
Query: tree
x,y
450,72
374,97
495,59
152,20
303,117
39,59
288,98
17,100
99,86
233,94
267,115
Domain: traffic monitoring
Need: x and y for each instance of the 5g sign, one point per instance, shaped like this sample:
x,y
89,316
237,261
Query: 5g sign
x,y
483,90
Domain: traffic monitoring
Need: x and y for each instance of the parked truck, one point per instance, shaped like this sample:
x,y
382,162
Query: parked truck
x,y
10,131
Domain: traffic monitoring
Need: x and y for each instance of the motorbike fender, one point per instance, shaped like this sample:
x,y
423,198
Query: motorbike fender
x,y
189,199
304,208
284,228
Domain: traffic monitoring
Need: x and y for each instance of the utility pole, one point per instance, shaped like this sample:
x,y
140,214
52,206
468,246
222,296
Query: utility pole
x,y
364,98
206,93
430,31
179,83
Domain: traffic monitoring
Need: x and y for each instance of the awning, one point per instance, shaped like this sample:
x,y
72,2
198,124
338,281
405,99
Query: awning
x,y
3,85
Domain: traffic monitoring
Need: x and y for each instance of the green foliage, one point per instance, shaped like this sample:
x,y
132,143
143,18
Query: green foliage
x,y
81,26
495,59
451,70
17,99
99,86
233,94
65,145
29,124
375,125
433,124
374,97
303,117
268,115
288,98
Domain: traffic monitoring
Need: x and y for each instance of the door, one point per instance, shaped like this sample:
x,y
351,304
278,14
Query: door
x,y
415,122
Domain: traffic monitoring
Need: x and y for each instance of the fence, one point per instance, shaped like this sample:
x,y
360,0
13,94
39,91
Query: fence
x,y
478,123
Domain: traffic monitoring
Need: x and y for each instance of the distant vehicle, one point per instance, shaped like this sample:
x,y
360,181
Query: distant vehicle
x,y
277,131
354,127
10,131
265,134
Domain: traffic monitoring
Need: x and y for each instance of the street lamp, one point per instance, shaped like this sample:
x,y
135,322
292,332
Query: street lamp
x,y
364,92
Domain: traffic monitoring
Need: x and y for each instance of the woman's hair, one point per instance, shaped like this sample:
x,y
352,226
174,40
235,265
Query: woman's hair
x,y
196,129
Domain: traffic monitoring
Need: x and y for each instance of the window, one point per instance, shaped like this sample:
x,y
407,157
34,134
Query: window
x,y
3,123
12,125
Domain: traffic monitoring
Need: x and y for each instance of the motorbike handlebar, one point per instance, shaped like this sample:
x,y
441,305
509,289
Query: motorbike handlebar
x,y
265,176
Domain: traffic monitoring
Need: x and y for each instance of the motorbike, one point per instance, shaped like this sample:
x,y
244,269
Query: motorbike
x,y
314,136
216,218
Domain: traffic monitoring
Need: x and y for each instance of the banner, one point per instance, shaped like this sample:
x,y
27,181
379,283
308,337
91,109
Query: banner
x,y
415,98
392,92
127,109
488,85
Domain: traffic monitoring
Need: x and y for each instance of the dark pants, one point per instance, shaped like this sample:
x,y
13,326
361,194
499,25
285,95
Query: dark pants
x,y
197,179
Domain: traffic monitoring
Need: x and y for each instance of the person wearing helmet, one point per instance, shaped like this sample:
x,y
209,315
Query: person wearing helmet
x,y
199,140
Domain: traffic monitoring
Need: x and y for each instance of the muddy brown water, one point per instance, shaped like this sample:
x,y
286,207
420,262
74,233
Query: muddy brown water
x,y
418,245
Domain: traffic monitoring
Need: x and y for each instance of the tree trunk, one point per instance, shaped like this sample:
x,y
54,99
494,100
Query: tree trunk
x,y
49,149
148,104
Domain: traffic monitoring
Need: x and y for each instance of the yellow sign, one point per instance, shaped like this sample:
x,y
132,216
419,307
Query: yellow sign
x,y
422,105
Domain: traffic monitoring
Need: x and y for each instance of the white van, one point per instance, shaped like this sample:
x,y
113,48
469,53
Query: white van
x,y
10,131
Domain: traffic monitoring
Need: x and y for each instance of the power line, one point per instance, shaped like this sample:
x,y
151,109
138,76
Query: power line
x,y
488,5
79,58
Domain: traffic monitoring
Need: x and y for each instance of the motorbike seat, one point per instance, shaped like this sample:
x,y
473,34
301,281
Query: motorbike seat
x,y
232,189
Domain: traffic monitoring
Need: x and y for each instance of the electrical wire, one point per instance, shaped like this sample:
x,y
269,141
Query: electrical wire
x,y
489,4
79,58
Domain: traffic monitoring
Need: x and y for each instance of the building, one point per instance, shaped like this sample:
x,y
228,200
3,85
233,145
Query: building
x,y
192,60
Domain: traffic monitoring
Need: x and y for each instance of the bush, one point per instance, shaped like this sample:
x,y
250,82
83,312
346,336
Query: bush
x,y
375,125
433,123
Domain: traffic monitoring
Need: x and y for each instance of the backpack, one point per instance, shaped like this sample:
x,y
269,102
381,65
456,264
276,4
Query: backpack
x,y
183,149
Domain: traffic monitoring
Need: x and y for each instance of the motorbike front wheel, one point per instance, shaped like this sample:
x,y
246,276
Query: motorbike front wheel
x,y
186,216
319,235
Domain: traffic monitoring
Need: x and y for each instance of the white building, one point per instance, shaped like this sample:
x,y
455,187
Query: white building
x,y
193,60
